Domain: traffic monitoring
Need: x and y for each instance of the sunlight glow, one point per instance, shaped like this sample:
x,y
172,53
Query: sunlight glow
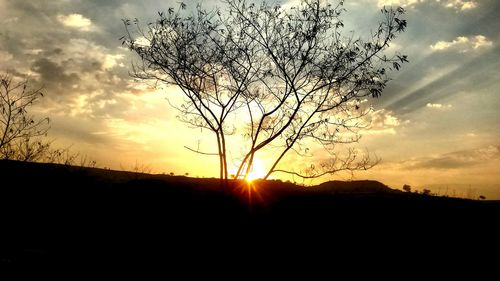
x,y
257,171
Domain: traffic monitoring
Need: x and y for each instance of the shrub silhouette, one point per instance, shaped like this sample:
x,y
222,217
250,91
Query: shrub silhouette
x,y
20,132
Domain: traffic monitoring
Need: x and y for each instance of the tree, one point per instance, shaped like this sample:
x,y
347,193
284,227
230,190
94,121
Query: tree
x,y
19,131
282,78
407,188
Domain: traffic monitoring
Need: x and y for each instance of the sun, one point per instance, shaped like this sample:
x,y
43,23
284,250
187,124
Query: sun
x,y
251,177
257,171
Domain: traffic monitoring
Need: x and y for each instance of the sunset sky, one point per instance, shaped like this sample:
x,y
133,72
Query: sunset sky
x,y
436,125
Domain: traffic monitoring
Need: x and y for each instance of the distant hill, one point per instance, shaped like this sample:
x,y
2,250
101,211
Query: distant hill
x,y
360,186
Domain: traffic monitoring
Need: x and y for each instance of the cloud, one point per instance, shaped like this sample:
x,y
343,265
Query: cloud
x,y
5,57
460,4
383,122
111,61
456,159
453,4
463,44
84,133
443,76
403,3
142,41
82,51
33,52
53,73
79,66
76,21
439,106
10,20
85,86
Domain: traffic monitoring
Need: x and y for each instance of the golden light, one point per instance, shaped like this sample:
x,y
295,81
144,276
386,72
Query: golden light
x,y
257,171
250,188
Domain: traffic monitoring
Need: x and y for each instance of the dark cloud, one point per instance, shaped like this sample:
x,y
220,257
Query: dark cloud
x,y
444,163
457,159
54,74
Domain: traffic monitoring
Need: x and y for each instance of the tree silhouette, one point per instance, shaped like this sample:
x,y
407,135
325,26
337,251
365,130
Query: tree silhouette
x,y
279,77
19,131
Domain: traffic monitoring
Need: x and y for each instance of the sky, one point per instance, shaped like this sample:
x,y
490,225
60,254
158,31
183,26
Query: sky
x,y
435,126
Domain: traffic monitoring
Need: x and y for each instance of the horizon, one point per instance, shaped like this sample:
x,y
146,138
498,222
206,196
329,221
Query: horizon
x,y
435,124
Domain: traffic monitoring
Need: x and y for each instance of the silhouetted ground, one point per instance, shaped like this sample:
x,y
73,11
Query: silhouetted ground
x,y
59,215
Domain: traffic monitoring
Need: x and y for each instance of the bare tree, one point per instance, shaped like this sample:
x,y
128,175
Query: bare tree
x,y
20,131
289,77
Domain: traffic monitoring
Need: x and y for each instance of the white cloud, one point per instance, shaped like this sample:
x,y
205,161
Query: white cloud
x,y
76,21
111,61
142,41
463,44
33,52
403,3
390,120
383,122
10,20
442,45
439,106
82,50
461,5
81,105
290,3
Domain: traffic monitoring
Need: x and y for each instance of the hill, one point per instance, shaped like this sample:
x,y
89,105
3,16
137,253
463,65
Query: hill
x,y
62,214
361,186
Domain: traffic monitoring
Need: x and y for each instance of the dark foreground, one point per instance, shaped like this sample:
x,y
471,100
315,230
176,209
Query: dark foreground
x,y
53,215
